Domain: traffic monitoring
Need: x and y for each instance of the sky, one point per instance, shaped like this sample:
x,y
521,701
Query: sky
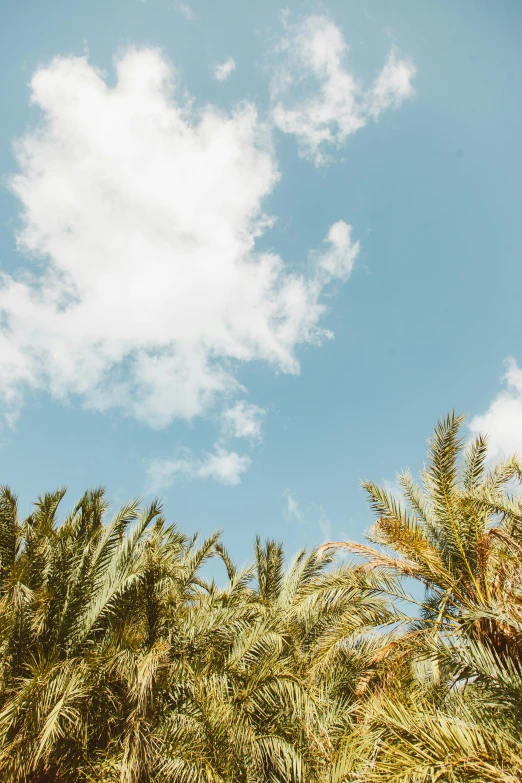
x,y
250,253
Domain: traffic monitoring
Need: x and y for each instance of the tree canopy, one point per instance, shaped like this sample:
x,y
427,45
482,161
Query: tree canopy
x,y
121,663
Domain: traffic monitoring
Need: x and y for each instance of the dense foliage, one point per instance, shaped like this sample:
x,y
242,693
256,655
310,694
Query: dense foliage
x,y
120,662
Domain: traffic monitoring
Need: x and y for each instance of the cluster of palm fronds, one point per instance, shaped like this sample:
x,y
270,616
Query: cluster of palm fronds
x,y
120,662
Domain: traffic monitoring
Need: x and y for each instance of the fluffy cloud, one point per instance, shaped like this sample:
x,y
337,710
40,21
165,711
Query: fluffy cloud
x,y
223,466
243,420
224,70
392,86
141,215
502,421
340,257
333,105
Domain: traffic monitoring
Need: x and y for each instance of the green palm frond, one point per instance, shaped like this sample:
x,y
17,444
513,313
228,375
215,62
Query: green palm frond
x,y
120,662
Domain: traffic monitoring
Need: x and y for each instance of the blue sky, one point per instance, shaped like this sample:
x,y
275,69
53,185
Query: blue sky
x,y
172,318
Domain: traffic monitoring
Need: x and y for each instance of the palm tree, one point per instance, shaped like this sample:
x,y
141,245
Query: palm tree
x,y
121,663
464,727
452,712
60,588
459,533
325,616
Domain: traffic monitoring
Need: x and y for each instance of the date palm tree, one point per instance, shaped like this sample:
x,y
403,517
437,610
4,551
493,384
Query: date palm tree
x,y
452,711
459,533
121,663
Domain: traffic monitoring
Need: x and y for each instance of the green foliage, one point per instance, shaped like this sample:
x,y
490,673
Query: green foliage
x,y
120,663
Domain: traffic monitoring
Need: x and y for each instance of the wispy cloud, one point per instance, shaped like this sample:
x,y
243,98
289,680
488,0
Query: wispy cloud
x,y
502,422
186,11
325,526
292,506
315,516
332,106
224,70
243,420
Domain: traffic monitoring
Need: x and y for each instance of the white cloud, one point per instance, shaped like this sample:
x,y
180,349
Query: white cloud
x,y
502,421
223,466
392,86
292,506
186,11
333,105
141,214
243,420
224,70
339,259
